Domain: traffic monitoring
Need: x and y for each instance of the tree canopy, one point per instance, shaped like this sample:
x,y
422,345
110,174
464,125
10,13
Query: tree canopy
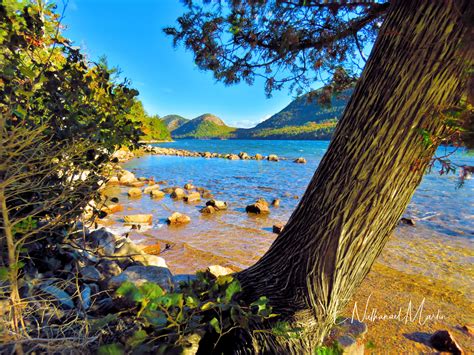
x,y
282,41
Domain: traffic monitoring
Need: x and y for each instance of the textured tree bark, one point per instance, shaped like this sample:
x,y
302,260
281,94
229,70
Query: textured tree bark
x,y
371,170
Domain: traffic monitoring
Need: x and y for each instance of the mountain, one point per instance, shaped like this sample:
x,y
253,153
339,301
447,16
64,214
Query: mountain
x,y
301,119
174,121
205,126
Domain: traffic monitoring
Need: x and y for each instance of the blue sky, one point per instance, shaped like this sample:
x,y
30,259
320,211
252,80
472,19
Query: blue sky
x,y
130,34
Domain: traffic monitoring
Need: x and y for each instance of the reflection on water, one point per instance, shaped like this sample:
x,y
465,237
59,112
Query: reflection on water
x,y
444,230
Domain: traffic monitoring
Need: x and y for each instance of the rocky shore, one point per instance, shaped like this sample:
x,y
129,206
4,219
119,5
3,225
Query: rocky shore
x,y
124,155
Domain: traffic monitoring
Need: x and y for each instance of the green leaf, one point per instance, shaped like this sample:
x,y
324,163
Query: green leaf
x,y
208,305
151,290
192,302
97,324
215,324
111,349
232,289
137,338
261,303
225,279
129,290
3,273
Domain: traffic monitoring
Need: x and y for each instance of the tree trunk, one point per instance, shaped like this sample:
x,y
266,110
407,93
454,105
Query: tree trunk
x,y
372,167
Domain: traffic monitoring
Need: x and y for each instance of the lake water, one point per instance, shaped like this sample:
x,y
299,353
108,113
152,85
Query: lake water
x,y
444,213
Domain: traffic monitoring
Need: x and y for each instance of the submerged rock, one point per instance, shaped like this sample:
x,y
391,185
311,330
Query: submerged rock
x,y
150,188
178,193
138,219
300,160
193,197
136,184
273,157
178,218
157,194
218,205
112,208
276,202
208,210
259,207
134,192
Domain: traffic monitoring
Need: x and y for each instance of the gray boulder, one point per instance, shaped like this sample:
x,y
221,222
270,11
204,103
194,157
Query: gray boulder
x,y
141,274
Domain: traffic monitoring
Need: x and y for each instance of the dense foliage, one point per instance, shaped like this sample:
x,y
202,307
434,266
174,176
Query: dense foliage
x,y
152,126
310,130
61,118
205,311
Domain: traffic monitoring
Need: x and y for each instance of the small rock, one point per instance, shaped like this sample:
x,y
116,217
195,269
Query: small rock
x,y
141,274
300,160
113,181
278,228
233,157
258,156
443,340
90,273
61,296
102,240
150,188
177,279
217,270
134,192
208,209
218,205
149,260
259,207
276,202
178,193
138,219
244,156
273,157
157,194
168,190
112,208
153,249
178,218
136,184
192,197
127,177
408,221
109,268
86,297
188,186
142,178
469,329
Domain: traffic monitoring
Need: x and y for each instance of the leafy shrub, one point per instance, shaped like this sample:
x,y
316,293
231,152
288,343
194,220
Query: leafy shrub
x,y
205,308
